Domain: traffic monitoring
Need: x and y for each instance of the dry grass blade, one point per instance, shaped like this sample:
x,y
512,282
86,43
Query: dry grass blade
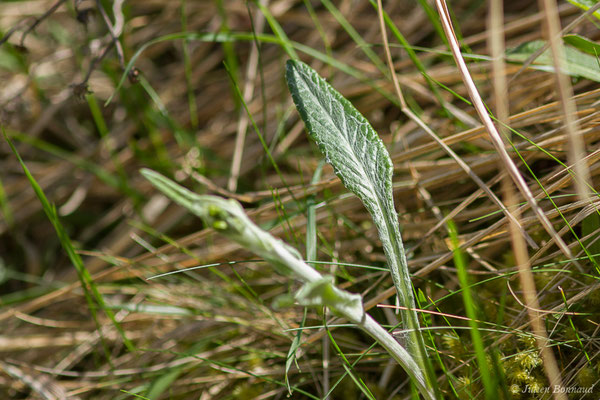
x,y
565,92
496,20
533,305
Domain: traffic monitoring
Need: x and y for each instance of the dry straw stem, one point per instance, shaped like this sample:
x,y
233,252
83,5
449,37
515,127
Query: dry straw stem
x,y
533,305
497,49
248,93
491,129
565,95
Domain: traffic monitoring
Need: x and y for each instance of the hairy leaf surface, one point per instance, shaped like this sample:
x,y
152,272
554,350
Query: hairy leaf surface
x,y
361,161
357,155
348,141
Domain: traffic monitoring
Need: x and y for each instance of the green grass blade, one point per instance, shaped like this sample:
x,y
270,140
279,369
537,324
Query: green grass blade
x,y
104,134
291,356
434,19
311,255
589,225
349,367
413,57
162,384
313,16
586,5
240,98
547,195
359,382
5,207
187,64
78,161
263,38
278,30
90,290
230,54
582,43
489,383
311,219
356,37
137,396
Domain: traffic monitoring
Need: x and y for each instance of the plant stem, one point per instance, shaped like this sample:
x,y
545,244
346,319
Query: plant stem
x,y
399,354
404,289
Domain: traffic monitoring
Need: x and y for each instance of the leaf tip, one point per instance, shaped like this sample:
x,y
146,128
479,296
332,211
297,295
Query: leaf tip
x,y
290,63
160,181
291,66
149,174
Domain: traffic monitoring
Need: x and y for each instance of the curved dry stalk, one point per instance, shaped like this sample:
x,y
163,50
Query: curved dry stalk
x,y
493,132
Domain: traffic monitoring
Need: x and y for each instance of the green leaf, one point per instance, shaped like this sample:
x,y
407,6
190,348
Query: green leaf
x,y
348,141
586,5
162,384
577,63
359,382
357,155
582,43
360,159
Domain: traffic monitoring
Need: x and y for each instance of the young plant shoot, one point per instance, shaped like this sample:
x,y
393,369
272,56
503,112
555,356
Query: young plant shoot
x,y
360,159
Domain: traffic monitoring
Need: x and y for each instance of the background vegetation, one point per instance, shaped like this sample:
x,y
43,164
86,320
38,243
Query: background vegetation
x,y
207,104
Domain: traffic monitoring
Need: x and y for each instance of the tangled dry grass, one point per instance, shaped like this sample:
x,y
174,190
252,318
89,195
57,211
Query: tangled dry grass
x,y
212,333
